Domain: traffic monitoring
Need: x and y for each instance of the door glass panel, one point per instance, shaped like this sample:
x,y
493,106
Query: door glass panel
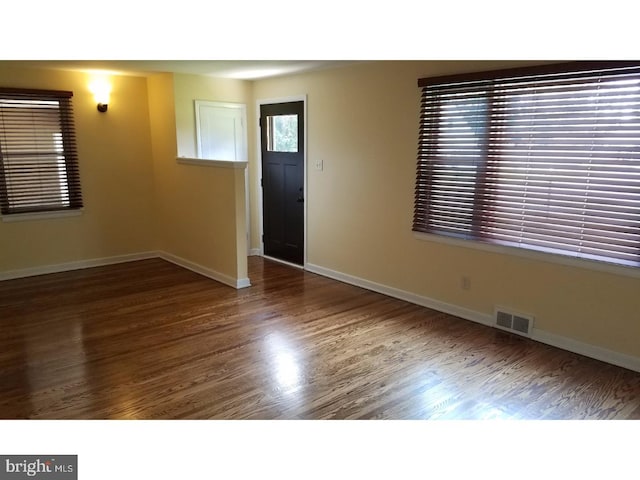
x,y
282,133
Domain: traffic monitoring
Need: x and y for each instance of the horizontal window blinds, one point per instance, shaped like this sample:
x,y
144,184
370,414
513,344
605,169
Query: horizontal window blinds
x,y
545,159
38,155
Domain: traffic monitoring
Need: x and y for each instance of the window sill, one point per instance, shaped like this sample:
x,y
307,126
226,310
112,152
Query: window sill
x,y
203,162
533,255
24,217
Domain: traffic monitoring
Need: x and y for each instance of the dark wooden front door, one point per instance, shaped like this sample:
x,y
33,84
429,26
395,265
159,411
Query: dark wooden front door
x,y
282,144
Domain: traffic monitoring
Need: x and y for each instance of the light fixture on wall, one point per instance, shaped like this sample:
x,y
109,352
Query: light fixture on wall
x,y
101,89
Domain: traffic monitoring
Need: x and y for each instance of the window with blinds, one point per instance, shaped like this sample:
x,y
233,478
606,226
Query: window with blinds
x,y
543,158
38,156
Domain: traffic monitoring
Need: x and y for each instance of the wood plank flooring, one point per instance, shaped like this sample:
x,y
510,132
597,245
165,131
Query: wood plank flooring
x,y
150,340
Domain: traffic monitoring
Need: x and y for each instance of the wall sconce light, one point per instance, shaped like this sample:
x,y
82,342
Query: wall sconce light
x,y
101,89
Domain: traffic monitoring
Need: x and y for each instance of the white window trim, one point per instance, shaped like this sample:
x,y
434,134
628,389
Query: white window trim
x,y
548,257
24,217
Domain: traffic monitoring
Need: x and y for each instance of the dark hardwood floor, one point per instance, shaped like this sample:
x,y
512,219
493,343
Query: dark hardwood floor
x,y
150,340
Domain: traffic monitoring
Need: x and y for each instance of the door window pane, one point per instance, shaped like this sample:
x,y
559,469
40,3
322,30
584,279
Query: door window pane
x,y
282,133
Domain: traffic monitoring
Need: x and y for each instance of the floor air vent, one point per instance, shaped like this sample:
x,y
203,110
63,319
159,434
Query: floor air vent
x,y
514,322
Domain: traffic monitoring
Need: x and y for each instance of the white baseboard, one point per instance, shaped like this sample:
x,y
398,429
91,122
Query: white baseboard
x,y
254,252
559,341
403,295
586,349
99,262
207,272
77,265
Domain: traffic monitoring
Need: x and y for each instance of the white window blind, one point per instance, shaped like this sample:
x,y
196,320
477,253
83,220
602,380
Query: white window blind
x,y
544,158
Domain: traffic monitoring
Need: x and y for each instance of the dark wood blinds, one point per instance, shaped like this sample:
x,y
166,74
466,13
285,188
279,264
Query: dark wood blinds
x,y
543,158
38,155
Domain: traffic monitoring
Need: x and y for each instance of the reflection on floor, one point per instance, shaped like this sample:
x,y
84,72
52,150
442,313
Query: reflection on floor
x,y
150,340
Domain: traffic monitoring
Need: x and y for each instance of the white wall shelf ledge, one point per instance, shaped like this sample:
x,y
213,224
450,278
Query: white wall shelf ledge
x,y
203,162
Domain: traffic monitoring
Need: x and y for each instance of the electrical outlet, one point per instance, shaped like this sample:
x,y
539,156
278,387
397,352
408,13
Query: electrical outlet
x,y
465,283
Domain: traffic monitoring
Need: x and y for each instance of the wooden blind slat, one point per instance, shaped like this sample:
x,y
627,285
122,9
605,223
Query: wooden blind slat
x,y
544,158
38,155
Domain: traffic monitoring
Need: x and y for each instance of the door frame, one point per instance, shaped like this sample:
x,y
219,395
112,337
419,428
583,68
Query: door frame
x,y
258,186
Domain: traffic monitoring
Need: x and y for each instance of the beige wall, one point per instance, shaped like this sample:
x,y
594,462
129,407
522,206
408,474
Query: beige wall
x,y
116,176
363,123
137,197
163,147
188,88
199,208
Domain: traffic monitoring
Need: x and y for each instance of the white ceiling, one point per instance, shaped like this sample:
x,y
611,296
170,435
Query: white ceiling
x,y
240,69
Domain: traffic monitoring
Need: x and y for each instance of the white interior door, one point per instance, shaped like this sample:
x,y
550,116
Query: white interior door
x,y
221,131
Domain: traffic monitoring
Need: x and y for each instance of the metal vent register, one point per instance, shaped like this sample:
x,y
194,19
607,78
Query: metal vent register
x,y
514,322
